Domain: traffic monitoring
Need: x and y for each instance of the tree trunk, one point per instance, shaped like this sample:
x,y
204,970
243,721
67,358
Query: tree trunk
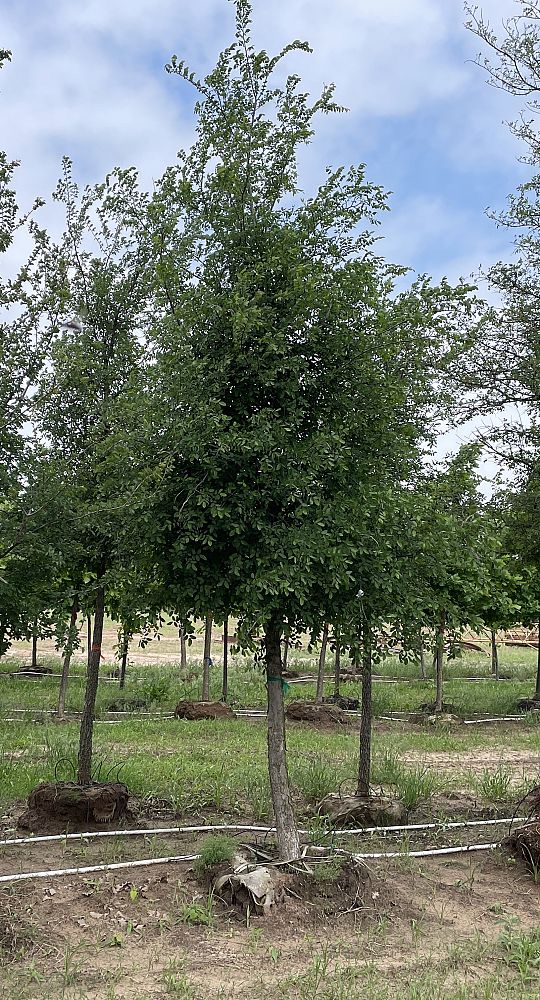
x,y
183,650
84,773
287,832
33,662
207,658
225,683
89,639
337,665
123,661
439,662
364,760
537,691
494,655
322,663
70,643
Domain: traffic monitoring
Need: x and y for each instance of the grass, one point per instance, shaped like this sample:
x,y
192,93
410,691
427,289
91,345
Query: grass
x,y
215,850
221,766
494,786
218,770
521,951
159,688
474,970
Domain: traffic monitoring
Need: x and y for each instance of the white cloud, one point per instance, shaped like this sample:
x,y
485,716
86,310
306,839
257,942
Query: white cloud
x,y
87,80
386,58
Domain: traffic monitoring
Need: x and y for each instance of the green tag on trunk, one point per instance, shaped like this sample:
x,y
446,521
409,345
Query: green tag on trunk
x,y
279,680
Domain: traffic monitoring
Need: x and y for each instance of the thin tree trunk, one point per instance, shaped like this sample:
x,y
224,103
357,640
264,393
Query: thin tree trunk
x,y
225,683
364,759
286,644
123,661
183,650
337,665
322,663
89,639
286,829
33,662
537,691
494,655
439,663
84,772
68,652
206,658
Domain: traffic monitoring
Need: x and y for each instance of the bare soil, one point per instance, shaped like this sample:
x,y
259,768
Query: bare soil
x,y
478,760
131,934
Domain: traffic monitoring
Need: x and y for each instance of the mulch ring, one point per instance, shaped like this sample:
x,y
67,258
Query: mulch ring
x,y
320,714
194,711
528,705
55,807
525,842
362,810
337,885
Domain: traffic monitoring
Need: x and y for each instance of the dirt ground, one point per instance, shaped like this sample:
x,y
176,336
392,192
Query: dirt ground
x,y
148,932
478,761
131,935
165,651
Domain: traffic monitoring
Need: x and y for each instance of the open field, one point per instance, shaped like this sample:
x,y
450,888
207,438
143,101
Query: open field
x,y
161,684
442,927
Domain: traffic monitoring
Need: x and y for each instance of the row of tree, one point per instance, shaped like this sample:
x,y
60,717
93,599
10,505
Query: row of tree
x,y
217,397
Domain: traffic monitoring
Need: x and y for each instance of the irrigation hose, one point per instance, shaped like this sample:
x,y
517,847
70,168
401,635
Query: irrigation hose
x,y
26,876
242,828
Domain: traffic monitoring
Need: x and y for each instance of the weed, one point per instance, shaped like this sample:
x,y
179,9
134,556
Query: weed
x,y
72,963
415,785
319,832
328,870
257,793
522,952
198,912
387,768
254,939
215,850
155,690
314,778
494,786
416,931
175,981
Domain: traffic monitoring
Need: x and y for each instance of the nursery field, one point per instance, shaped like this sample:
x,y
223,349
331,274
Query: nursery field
x,y
446,926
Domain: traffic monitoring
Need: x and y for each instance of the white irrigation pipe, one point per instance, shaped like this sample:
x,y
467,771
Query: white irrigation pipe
x,y
499,718
40,673
425,854
26,876
466,722
239,828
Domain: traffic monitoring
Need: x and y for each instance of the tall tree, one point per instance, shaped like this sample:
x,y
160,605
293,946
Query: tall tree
x,y
291,376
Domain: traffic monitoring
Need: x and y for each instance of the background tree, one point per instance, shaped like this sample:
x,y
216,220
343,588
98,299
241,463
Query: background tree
x,y
502,370
85,402
520,510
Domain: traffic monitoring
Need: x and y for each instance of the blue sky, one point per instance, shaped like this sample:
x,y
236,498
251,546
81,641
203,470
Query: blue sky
x,y
87,79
